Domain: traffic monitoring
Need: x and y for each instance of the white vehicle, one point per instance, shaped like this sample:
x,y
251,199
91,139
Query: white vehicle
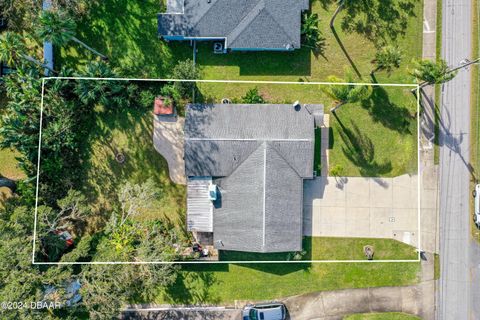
x,y
266,311
476,214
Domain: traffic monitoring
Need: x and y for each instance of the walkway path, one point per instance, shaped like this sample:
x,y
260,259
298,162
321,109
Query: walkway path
x,y
168,139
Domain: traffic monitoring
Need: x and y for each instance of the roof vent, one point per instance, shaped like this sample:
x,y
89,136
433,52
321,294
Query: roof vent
x,y
297,106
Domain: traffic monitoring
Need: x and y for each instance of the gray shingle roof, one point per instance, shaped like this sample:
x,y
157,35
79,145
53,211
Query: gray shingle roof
x,y
268,24
259,155
220,137
261,205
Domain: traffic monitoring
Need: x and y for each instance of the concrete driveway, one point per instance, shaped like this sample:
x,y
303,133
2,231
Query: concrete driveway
x,y
168,139
362,207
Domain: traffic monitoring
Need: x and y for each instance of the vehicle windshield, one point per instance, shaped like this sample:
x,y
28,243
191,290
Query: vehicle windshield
x,y
253,314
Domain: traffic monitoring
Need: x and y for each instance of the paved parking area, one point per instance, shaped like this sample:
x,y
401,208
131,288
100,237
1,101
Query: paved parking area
x,y
362,207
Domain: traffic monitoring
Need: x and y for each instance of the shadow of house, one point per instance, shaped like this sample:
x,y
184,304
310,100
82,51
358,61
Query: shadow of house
x,y
296,63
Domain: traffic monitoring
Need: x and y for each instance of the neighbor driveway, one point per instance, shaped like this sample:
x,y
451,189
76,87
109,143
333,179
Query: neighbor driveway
x,y
168,139
362,207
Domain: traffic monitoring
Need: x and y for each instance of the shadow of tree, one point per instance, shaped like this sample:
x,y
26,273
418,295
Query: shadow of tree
x,y
192,287
383,110
360,150
128,131
379,21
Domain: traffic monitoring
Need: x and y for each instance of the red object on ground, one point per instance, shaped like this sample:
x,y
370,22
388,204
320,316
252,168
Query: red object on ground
x,y
161,108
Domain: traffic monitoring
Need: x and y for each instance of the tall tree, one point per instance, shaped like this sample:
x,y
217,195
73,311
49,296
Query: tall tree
x,y
387,58
432,72
347,92
59,28
13,50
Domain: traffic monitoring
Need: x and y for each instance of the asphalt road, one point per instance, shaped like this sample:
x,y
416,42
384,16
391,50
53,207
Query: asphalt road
x,y
458,254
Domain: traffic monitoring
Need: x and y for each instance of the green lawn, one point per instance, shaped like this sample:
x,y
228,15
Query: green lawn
x,y
327,248
382,316
210,283
129,132
8,164
377,137
125,30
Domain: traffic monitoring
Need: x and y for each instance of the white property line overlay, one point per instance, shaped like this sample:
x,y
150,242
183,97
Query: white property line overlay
x,y
419,250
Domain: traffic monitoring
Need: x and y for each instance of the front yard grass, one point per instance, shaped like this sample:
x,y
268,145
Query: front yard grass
x,y
223,284
331,248
130,132
377,137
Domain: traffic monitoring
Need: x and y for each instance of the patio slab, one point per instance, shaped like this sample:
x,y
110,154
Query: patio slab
x,y
168,139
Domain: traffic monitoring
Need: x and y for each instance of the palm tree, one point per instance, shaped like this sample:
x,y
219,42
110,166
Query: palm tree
x,y
311,32
58,28
13,50
346,92
387,58
432,72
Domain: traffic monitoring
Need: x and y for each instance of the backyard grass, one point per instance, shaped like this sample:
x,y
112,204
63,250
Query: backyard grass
x,y
8,164
126,32
129,132
329,248
223,284
382,316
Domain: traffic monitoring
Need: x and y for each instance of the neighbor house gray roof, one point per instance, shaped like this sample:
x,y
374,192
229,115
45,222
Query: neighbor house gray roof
x,y
258,155
267,24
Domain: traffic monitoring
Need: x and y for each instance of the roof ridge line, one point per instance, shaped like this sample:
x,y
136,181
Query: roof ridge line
x,y
283,158
247,157
259,7
280,25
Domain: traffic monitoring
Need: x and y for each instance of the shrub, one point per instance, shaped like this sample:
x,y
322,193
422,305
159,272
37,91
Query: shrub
x,y
253,96
185,70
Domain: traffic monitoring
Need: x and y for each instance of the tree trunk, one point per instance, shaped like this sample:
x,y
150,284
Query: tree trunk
x,y
90,48
9,183
336,107
32,59
375,70
337,11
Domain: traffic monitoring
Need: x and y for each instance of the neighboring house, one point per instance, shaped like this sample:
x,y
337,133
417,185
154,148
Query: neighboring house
x,y
257,156
242,25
